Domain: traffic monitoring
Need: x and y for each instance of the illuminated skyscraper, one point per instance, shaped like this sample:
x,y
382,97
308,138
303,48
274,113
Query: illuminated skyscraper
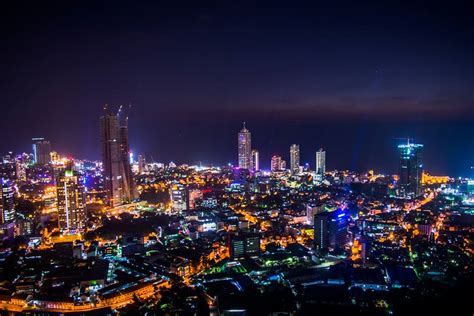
x,y
275,164
245,148
295,159
255,160
71,201
20,168
320,162
7,205
115,156
411,169
41,150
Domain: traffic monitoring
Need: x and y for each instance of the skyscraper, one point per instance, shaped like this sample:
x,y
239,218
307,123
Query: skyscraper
x,y
411,169
115,156
295,158
320,162
71,201
275,164
245,148
20,168
255,160
41,150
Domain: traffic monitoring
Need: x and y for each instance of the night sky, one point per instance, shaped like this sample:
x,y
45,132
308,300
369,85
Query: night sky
x,y
349,78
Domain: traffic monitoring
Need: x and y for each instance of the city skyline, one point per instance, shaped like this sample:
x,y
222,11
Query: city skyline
x,y
305,159
315,74
236,158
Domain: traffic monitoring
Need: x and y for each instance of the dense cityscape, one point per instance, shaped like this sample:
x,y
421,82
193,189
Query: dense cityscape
x,y
127,236
236,158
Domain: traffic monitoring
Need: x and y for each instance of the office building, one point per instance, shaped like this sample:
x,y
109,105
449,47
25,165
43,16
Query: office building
x,y
118,180
245,148
178,198
20,168
330,229
276,162
255,160
41,150
411,169
320,162
71,201
246,245
7,203
295,159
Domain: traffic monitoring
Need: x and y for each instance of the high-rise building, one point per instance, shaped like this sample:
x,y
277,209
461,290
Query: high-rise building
x,y
118,178
320,162
71,201
245,148
255,160
330,229
295,159
275,164
7,205
141,164
20,168
41,150
411,169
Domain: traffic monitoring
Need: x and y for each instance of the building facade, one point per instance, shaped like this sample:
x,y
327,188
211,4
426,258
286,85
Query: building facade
x,y
71,201
330,229
320,162
41,150
411,169
295,159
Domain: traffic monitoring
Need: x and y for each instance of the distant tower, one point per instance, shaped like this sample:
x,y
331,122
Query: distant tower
x,y
20,168
320,162
276,163
255,160
141,164
118,179
41,150
411,169
245,148
295,158
71,201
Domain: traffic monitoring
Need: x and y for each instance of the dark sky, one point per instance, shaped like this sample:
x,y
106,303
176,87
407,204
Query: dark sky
x,y
351,78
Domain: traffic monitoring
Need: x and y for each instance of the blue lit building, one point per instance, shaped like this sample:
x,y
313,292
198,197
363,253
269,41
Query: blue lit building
x,y
411,169
330,229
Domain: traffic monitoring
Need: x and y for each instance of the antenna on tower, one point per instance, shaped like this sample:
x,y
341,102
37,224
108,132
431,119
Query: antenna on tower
x,y
106,107
128,113
119,110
